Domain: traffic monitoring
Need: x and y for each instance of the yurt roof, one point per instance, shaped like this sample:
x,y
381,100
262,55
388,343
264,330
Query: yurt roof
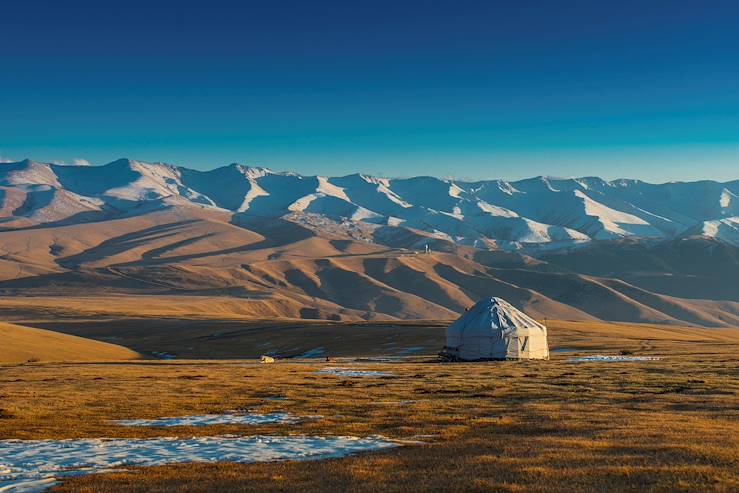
x,y
503,314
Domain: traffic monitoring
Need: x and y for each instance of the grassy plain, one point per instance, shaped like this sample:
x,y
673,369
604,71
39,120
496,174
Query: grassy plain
x,y
541,426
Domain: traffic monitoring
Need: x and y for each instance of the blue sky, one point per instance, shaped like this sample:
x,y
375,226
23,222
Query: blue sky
x,y
488,89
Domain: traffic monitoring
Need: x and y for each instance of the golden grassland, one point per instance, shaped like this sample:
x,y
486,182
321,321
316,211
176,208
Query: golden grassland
x,y
541,426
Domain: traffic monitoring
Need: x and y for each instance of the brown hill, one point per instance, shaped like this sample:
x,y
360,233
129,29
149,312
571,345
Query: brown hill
x,y
25,344
295,268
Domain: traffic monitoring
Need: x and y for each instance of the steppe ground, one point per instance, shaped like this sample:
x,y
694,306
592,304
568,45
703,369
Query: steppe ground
x,y
542,426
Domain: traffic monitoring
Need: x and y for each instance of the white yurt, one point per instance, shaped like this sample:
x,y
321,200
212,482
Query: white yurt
x,y
495,329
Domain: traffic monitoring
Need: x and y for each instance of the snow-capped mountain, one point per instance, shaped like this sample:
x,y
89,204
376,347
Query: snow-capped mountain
x,y
536,213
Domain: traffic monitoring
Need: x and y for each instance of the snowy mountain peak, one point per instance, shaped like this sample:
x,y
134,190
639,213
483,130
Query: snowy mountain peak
x,y
250,171
541,212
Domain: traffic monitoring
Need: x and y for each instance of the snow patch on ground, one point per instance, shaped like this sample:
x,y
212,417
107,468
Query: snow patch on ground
x,y
349,372
215,419
31,466
605,357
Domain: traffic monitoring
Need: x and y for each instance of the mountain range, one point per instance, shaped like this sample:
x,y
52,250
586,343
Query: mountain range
x,y
536,213
351,247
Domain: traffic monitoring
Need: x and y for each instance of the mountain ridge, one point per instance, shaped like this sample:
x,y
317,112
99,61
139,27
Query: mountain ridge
x,y
533,213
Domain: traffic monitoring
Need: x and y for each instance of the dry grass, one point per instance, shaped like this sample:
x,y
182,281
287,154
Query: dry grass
x,y
542,426
21,344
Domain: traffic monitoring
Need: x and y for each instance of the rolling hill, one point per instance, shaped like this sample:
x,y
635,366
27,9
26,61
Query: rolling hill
x,y
25,344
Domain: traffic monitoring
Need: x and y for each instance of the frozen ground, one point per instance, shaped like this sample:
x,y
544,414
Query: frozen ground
x,y
30,466
350,372
605,357
215,419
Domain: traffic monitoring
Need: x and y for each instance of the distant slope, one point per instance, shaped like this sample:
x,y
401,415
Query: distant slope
x,y
691,267
23,344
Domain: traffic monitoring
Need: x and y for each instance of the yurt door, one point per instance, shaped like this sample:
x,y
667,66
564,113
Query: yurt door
x,y
513,347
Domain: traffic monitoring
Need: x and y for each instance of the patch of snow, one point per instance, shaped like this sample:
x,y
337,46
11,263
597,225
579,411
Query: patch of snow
x,y
495,210
507,188
605,213
327,188
383,187
349,372
455,191
725,199
215,419
362,214
254,192
726,229
605,357
302,203
253,172
31,466
380,359
548,184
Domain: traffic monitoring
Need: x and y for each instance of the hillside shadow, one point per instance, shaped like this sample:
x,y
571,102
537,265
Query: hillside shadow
x,y
122,243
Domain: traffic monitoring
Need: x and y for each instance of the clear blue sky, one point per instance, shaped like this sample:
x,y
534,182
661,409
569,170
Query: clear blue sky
x,y
644,89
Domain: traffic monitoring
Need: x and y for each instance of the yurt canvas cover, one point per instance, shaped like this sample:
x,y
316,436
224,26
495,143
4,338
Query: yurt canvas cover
x,y
495,329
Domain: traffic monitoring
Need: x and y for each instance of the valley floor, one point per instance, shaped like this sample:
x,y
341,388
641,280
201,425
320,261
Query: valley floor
x,y
667,424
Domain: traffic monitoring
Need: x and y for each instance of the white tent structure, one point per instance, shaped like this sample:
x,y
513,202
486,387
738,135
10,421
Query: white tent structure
x,y
495,329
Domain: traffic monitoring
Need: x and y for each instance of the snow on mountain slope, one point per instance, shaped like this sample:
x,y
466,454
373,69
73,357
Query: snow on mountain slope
x,y
726,229
231,187
429,192
124,180
542,212
27,173
372,193
47,204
